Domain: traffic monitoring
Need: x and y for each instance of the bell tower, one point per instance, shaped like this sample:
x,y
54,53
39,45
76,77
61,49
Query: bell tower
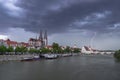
x,y
45,38
41,38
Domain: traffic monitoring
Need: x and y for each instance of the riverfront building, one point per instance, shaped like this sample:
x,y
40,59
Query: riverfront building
x,y
37,43
40,42
89,50
13,44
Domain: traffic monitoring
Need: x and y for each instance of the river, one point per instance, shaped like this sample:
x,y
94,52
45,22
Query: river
x,y
87,67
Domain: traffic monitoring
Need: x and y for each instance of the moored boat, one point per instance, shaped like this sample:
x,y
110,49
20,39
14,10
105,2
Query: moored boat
x,y
27,59
36,57
66,55
49,56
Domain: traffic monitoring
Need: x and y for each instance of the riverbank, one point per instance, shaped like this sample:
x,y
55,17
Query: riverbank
x,y
15,57
21,57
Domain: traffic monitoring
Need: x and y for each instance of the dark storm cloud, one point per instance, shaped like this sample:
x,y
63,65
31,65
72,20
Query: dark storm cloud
x,y
6,19
58,15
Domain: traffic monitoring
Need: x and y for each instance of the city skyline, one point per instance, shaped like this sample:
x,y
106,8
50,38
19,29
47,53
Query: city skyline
x,y
68,22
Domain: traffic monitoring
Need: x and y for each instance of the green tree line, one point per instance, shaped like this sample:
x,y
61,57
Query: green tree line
x,y
55,49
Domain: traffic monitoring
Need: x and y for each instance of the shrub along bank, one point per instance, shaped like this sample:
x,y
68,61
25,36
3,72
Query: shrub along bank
x,y
117,55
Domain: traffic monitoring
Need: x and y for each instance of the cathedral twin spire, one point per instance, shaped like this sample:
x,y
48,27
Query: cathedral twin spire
x,y
43,38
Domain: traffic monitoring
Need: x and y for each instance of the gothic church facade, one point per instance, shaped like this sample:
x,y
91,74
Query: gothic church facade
x,y
40,42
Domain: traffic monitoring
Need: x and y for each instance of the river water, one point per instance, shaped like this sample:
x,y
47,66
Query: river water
x,y
87,67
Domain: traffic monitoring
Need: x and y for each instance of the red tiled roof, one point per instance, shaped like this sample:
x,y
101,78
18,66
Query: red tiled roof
x,y
49,46
24,44
11,43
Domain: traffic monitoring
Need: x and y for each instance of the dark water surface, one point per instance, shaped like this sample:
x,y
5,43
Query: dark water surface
x,y
69,68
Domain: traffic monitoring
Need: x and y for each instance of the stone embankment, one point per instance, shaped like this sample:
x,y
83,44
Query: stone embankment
x,y
14,57
21,57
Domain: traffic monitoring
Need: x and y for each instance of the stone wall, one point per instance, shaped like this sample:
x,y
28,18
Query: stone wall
x,y
14,57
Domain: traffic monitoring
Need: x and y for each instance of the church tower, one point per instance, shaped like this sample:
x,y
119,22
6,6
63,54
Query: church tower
x,y
41,39
40,36
45,38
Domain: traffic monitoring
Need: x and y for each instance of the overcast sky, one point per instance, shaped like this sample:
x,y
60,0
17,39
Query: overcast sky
x,y
68,22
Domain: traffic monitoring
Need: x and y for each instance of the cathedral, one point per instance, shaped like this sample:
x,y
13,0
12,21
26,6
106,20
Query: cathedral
x,y
40,42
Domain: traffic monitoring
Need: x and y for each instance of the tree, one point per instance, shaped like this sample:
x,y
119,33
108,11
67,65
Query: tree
x,y
45,50
67,49
117,55
23,49
33,51
17,49
10,49
59,50
56,48
3,49
55,45
76,50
